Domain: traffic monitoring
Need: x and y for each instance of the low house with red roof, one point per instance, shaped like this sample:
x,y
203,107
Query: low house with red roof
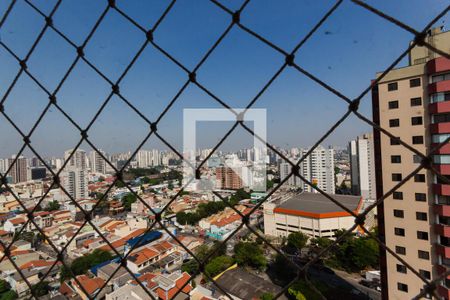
x,y
14,224
161,286
150,254
92,287
142,259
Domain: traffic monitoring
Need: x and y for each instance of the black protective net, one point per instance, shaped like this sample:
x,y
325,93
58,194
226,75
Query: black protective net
x,y
148,40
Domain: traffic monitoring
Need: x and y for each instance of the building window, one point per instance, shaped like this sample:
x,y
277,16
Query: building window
x,y
421,197
425,274
416,121
417,159
396,177
440,77
397,195
422,235
401,269
396,159
402,287
395,141
440,97
424,254
393,104
440,118
399,213
399,231
419,178
400,250
393,86
394,123
416,101
414,82
421,216
417,139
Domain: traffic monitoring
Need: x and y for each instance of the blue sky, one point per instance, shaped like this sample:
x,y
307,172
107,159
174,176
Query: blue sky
x,y
346,52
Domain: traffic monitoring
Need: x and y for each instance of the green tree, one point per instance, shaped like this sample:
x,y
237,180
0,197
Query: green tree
x,y
119,184
127,200
267,296
82,264
170,186
269,184
9,295
301,290
4,286
218,264
297,240
145,180
191,267
250,254
40,289
52,205
364,253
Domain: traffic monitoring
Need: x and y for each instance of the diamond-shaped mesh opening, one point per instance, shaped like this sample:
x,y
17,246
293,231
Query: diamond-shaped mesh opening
x,y
122,230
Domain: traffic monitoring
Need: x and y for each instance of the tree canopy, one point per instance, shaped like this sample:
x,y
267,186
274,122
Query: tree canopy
x,y
82,264
218,264
297,240
52,205
127,200
250,254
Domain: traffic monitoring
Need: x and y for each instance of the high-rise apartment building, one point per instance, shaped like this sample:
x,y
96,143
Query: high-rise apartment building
x,y
74,178
20,171
3,165
362,165
413,103
317,168
77,160
293,181
96,162
228,178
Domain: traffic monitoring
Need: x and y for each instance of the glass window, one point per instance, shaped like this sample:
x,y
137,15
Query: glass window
x,y
440,77
421,197
416,121
422,216
417,139
441,159
440,138
401,269
425,274
416,101
440,118
396,177
395,141
393,104
419,178
393,86
424,254
417,159
400,250
398,213
422,235
402,287
396,159
397,195
440,97
414,82
399,231
394,123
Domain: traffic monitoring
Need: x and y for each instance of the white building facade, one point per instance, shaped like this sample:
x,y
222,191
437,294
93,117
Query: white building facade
x,y
362,164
